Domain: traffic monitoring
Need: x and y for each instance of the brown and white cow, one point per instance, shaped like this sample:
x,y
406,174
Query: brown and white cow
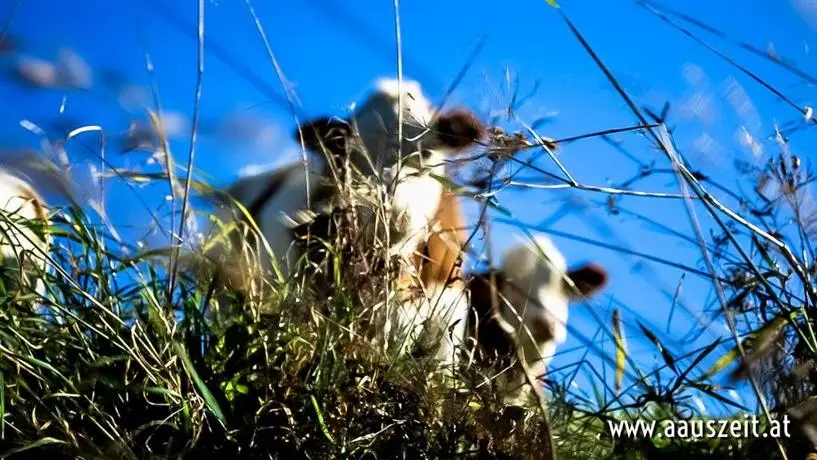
x,y
521,310
365,143
399,176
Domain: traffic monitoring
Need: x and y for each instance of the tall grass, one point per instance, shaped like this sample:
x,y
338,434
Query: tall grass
x,y
105,367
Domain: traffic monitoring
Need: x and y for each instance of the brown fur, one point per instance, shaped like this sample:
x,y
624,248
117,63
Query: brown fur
x,y
440,260
492,341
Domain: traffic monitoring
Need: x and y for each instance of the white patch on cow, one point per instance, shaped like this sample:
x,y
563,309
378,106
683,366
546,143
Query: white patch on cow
x,y
414,203
21,206
279,213
536,272
436,321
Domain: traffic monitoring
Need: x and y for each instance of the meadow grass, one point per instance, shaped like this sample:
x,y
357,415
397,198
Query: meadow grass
x,y
111,364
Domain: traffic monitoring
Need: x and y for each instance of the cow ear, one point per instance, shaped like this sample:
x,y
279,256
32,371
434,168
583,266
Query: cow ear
x,y
459,129
328,134
588,279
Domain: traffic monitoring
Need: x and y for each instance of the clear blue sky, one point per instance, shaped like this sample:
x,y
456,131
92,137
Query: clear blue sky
x,y
331,50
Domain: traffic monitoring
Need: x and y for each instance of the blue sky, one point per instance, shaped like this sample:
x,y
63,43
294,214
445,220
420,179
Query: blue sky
x,y
331,50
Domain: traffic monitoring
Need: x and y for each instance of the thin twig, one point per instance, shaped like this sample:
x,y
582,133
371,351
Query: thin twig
x,y
780,62
460,75
708,200
731,61
169,163
223,54
288,92
595,188
634,109
174,261
7,25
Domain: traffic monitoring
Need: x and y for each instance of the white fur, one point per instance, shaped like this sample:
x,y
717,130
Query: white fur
x,y
277,215
377,121
414,204
437,321
537,270
20,204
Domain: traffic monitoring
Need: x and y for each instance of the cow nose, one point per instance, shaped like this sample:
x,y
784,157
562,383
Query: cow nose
x,y
541,329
